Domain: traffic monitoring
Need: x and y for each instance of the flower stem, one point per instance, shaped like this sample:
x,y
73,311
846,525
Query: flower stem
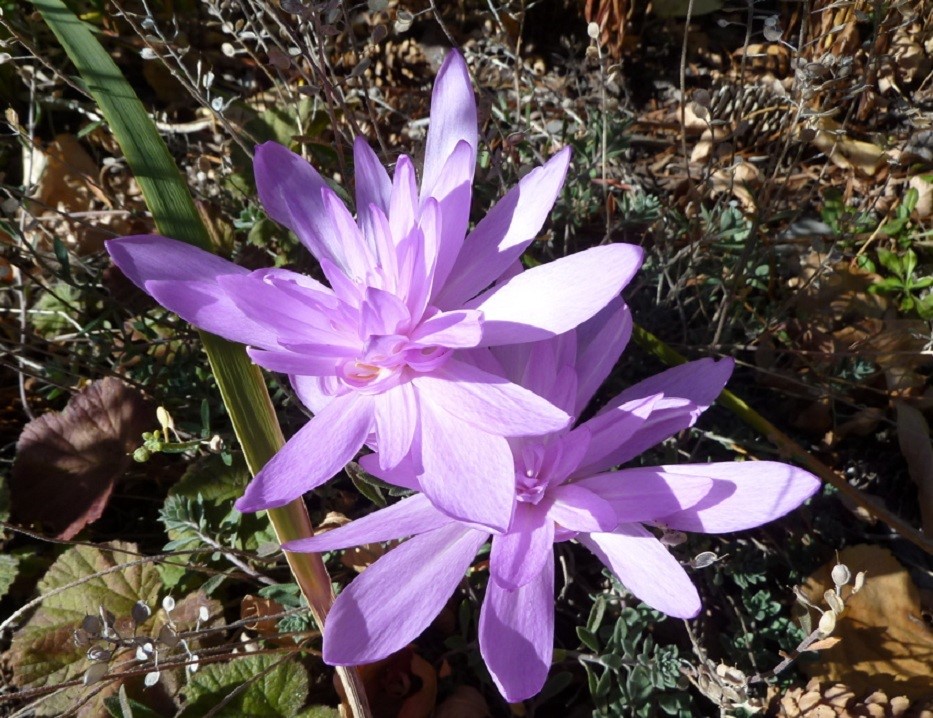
x,y
788,447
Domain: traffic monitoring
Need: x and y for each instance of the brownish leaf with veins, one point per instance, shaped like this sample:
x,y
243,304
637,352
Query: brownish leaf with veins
x,y
67,463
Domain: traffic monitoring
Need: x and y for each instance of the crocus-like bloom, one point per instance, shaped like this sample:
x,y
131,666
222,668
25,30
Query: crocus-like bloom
x,y
374,355
563,491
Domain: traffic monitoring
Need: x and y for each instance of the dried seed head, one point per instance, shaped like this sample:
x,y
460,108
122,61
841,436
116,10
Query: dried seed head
x,y
593,30
92,624
834,601
151,678
168,604
702,560
673,538
95,673
827,623
403,21
168,636
841,575
859,582
96,653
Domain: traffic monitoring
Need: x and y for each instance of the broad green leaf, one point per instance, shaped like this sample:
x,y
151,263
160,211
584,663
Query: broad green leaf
x,y
276,687
82,580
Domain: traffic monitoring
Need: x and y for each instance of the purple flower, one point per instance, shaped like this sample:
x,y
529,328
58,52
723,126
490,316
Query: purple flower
x,y
375,355
563,490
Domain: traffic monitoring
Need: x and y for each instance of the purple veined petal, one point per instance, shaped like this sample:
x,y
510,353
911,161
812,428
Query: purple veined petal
x,y
359,258
579,509
457,329
600,342
420,254
744,494
289,281
564,454
699,381
521,553
505,232
320,449
409,517
516,634
403,204
467,473
292,193
644,494
453,119
453,193
394,600
404,474
382,313
184,279
373,187
646,568
289,362
348,291
396,423
315,392
610,433
488,402
556,297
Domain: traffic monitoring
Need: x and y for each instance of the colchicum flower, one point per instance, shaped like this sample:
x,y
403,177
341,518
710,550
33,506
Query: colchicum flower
x,y
375,355
563,490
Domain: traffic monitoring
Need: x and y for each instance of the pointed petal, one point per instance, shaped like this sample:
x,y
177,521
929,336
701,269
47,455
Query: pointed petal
x,y
644,494
396,598
452,193
373,186
319,450
457,329
292,193
183,279
600,342
520,554
410,516
611,433
556,297
316,392
299,363
700,382
516,634
505,232
579,509
453,119
744,494
358,256
405,474
396,423
403,204
488,402
468,473
646,568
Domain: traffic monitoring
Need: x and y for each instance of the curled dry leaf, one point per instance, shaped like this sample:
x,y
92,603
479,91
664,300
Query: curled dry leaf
x,y
913,435
885,643
404,685
67,463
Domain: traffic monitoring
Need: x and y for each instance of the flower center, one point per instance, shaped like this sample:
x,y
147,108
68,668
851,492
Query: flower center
x,y
385,361
530,482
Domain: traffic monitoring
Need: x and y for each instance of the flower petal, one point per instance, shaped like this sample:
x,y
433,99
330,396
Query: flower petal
x,y
646,568
452,193
579,509
320,449
600,342
611,433
503,234
292,193
488,402
396,598
373,187
521,553
183,279
453,120
457,329
299,363
396,423
556,297
516,634
644,494
700,382
409,517
467,473
405,474
744,494
316,392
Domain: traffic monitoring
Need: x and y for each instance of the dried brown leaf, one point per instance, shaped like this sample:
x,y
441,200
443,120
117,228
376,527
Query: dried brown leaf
x,y
913,435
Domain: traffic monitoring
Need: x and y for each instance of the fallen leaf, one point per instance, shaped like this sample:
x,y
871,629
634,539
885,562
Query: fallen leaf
x,y
913,435
67,463
464,702
404,685
846,152
886,645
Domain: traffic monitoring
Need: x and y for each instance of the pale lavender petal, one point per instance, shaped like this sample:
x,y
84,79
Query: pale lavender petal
x,y
555,297
358,256
457,329
700,382
453,120
382,313
320,449
317,392
410,516
488,402
453,193
600,341
579,509
564,455
520,554
373,186
184,279
394,600
417,255
292,193
611,433
516,634
646,568
468,473
405,474
403,204
396,423
644,494
505,232
296,363
744,494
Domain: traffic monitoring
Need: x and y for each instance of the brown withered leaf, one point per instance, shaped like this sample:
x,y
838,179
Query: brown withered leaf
x,y
886,645
67,463
913,435
404,685
464,702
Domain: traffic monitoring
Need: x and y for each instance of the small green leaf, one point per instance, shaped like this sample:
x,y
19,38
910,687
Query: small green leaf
x,y
275,687
588,638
